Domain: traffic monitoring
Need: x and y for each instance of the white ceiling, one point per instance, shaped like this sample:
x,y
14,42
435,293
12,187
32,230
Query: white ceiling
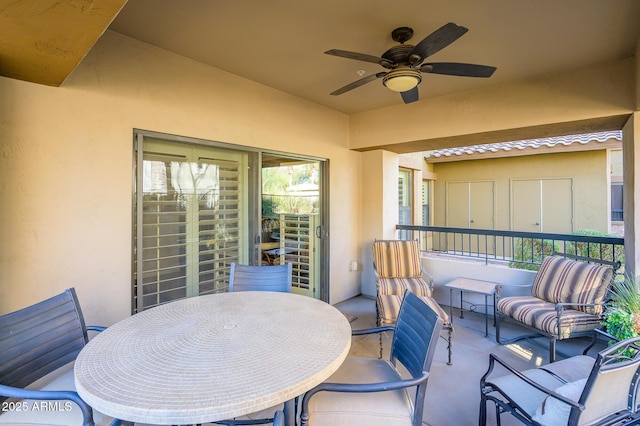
x,y
280,43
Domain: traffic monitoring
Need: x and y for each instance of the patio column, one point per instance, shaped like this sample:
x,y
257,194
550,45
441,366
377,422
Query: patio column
x,y
379,197
631,176
631,179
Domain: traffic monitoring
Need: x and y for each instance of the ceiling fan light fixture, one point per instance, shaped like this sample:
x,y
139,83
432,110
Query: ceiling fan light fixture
x,y
402,80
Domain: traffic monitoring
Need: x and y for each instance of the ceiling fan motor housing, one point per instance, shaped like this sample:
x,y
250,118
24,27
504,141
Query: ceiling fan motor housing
x,y
397,55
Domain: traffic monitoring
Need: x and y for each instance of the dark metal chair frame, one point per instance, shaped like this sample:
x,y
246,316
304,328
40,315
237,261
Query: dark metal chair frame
x,y
415,336
560,307
39,339
611,357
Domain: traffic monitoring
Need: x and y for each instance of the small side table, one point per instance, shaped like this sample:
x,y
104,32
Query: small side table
x,y
485,288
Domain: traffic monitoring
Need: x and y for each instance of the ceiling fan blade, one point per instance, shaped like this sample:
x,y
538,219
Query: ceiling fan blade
x,y
436,41
410,95
355,55
358,83
454,68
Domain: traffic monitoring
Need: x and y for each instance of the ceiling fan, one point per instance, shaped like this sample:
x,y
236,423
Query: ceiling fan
x,y
405,62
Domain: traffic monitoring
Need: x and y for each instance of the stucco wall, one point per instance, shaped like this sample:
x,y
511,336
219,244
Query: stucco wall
x,y
519,110
587,169
379,208
66,166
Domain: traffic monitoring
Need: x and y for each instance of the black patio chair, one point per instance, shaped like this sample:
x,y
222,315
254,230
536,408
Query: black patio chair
x,y
579,390
258,278
372,391
36,341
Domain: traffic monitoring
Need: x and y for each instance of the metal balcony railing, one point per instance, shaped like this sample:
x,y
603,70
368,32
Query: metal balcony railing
x,y
517,249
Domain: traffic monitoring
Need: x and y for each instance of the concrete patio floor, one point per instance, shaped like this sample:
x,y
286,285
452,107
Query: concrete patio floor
x,y
453,391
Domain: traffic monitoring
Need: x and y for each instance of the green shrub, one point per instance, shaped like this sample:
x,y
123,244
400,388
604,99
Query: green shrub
x,y
529,252
622,315
594,250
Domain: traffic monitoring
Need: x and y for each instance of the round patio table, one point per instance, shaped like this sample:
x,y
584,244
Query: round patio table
x,y
214,357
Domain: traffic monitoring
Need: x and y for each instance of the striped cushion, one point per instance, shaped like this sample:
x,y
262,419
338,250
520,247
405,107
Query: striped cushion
x,y
561,280
389,308
542,315
397,258
398,286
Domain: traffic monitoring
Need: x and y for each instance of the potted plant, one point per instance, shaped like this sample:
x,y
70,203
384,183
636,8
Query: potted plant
x,y
622,315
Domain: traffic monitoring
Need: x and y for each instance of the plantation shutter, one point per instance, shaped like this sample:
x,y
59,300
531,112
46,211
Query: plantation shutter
x,y
219,227
192,222
298,246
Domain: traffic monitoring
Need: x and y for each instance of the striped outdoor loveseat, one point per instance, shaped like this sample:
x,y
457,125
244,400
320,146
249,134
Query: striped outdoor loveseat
x,y
567,300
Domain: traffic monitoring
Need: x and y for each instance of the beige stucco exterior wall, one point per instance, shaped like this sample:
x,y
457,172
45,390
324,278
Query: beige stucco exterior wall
x,y
587,169
66,166
379,208
526,109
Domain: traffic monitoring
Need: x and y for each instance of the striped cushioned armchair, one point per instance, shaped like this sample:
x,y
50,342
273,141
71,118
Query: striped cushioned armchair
x,y
397,266
567,300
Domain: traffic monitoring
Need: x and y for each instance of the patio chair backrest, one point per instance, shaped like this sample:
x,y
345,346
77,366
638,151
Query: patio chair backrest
x,y
561,280
40,338
414,343
607,395
415,336
612,385
397,258
278,419
260,278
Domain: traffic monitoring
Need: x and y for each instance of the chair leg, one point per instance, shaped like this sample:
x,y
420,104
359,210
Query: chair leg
x,y
378,325
449,342
552,349
513,339
482,417
498,418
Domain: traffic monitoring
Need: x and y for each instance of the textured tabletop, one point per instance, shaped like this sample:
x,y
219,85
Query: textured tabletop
x,y
475,286
212,357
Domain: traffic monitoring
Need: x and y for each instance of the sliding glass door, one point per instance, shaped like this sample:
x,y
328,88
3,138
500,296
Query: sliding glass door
x,y
200,206
292,220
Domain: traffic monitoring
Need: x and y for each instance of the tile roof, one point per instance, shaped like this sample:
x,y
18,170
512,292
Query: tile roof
x,y
527,144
